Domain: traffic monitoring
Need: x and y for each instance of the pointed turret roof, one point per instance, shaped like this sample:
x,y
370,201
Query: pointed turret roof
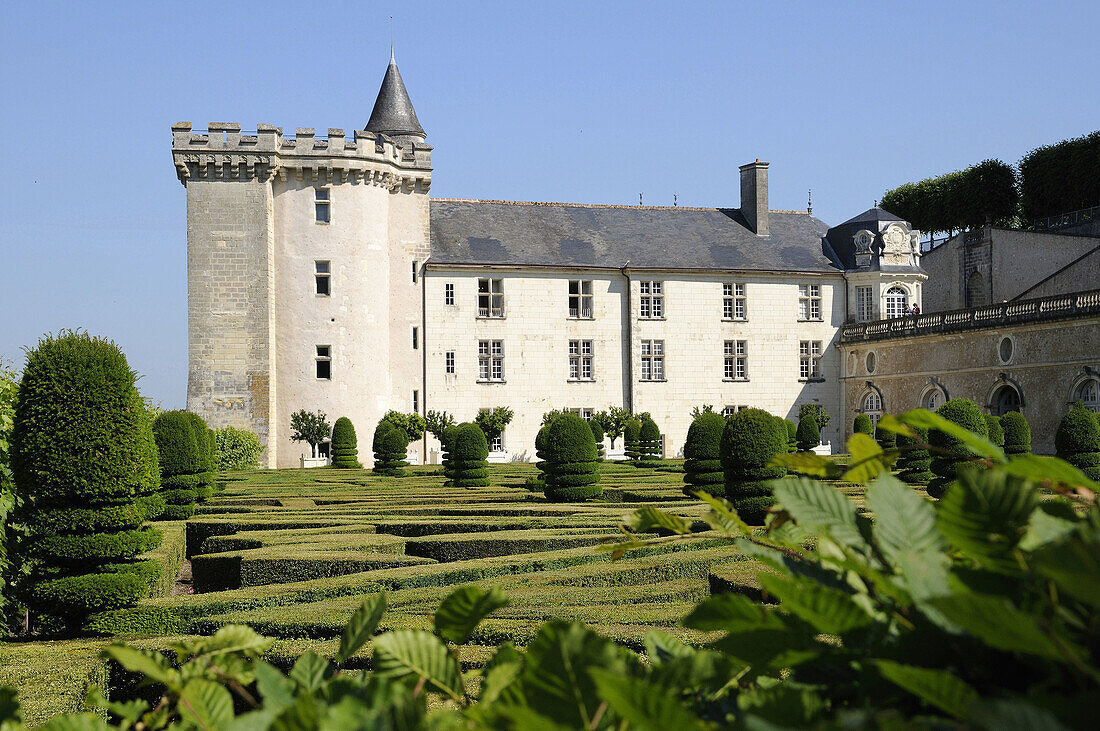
x,y
393,113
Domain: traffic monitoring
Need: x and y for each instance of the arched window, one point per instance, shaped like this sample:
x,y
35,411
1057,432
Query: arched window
x,y
1089,394
897,302
872,406
1005,399
933,399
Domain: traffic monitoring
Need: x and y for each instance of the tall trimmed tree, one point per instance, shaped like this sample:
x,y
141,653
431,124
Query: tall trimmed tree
x,y
809,435
792,435
1077,440
345,447
749,442
1017,433
863,425
649,445
914,461
945,464
572,467
85,464
703,455
631,430
207,445
598,435
391,445
469,449
182,463
994,429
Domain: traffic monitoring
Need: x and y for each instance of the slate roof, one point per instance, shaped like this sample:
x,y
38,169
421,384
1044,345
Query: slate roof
x,y
393,112
568,235
840,236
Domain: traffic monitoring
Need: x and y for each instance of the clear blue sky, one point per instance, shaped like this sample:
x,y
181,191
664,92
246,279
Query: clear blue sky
x,y
588,102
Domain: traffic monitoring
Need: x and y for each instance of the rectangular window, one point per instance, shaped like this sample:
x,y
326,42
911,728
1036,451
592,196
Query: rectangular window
x,y
735,353
651,303
809,359
580,299
733,301
416,338
416,402
809,302
490,360
865,304
448,293
728,411
321,204
323,360
497,443
653,360
322,273
490,298
585,414
416,269
449,362
580,360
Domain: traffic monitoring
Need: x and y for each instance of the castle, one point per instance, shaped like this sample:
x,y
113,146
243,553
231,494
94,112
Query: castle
x,y
322,276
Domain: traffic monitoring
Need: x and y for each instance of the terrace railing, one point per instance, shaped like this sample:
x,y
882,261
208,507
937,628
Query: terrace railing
x,y
1021,312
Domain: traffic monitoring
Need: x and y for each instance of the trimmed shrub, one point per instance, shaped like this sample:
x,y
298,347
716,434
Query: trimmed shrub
x,y
183,461
204,438
85,464
1077,440
541,454
649,445
1017,433
792,435
446,438
809,436
391,445
598,435
703,455
886,439
345,448
995,432
631,431
966,414
469,448
863,425
236,449
914,463
572,464
749,441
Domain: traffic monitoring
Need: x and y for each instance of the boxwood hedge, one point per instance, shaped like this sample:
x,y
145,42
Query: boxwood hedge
x,y
749,442
702,455
391,446
571,471
649,445
345,449
469,448
809,435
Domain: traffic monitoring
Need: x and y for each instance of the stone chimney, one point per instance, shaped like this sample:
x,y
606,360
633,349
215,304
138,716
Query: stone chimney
x,y
754,196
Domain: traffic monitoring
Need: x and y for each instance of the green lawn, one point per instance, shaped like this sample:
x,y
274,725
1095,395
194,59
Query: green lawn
x,y
293,552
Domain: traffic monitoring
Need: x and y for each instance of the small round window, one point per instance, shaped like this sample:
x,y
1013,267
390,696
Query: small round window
x,y
871,362
1005,349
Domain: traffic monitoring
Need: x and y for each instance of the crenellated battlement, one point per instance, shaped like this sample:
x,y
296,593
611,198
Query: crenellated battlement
x,y
223,152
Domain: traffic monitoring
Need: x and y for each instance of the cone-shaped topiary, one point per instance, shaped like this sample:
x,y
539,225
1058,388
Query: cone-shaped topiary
x,y
469,448
994,430
749,441
1017,433
649,445
863,425
792,435
966,414
631,431
703,455
598,435
182,463
446,439
345,448
207,446
913,462
540,451
572,467
390,445
809,435
85,464
1077,440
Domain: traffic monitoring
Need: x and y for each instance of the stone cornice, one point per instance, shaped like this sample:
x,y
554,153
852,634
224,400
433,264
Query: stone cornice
x,y
223,153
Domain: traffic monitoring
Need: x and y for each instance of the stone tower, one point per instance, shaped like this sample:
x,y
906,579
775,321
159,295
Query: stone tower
x,y
303,271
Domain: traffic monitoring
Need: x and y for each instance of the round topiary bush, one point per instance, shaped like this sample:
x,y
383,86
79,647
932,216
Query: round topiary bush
x,y
345,447
809,435
863,425
631,431
391,446
792,435
572,466
469,448
749,441
1077,440
994,430
85,465
914,462
182,463
1017,433
966,414
598,435
649,445
703,455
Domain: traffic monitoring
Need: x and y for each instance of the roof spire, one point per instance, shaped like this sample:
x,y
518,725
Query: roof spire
x,y
393,112
391,40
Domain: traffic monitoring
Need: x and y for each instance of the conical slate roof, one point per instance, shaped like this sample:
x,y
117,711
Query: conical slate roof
x,y
393,113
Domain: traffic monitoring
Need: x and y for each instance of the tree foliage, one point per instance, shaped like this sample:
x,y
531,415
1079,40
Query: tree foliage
x,y
493,421
958,200
613,420
436,422
412,424
1060,178
309,427
821,416
236,449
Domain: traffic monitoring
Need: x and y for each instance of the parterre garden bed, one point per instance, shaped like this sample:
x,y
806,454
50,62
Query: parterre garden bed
x,y
292,553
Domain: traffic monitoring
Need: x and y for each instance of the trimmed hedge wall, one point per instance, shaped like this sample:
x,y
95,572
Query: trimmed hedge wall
x,y
468,450
649,445
1060,178
345,448
966,414
572,464
1077,440
809,435
958,200
703,455
749,441
85,463
1017,433
914,463
391,446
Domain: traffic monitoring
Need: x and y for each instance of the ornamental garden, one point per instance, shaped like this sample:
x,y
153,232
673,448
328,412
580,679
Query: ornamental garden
x,y
936,574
